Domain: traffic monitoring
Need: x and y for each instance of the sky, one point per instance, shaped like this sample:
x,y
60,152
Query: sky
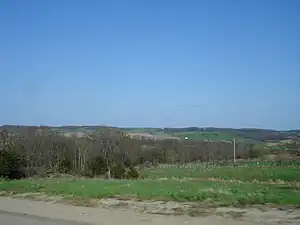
x,y
151,63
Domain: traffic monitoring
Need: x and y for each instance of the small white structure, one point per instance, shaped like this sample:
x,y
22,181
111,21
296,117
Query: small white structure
x,y
186,138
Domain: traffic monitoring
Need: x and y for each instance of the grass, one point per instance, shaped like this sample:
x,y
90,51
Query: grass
x,y
201,136
243,192
217,192
192,135
288,174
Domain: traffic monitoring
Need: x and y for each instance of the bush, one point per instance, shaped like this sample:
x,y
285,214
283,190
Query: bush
x,y
132,173
97,165
118,171
65,165
88,174
10,165
17,174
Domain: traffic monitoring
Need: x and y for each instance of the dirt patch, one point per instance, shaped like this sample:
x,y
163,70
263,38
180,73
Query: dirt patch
x,y
151,207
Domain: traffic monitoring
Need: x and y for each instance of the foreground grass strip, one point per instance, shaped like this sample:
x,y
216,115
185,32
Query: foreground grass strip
x,y
214,192
227,173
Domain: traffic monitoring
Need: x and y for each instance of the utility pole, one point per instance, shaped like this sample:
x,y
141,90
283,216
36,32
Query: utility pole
x,y
234,151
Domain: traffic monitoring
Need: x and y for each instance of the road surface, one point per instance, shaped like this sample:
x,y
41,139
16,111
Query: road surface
x,y
26,212
8,218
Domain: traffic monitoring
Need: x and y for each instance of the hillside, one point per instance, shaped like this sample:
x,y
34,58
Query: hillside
x,y
220,134
193,133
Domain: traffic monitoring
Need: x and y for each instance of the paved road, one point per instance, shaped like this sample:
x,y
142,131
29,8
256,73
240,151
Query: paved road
x,y
8,218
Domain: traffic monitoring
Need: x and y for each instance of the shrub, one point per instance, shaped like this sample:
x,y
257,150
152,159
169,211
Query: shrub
x,y
132,173
65,165
97,165
118,171
10,165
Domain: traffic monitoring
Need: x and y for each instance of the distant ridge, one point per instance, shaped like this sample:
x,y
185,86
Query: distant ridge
x,y
196,133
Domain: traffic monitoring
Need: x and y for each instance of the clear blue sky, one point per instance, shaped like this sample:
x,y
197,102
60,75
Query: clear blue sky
x,y
224,63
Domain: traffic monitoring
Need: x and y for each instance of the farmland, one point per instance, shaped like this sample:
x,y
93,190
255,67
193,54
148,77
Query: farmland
x,y
218,134
222,186
242,173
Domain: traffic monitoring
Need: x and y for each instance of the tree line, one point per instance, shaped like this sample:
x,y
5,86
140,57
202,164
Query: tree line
x,y
39,151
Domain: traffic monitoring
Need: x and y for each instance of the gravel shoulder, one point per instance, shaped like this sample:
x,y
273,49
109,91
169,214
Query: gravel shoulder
x,y
128,216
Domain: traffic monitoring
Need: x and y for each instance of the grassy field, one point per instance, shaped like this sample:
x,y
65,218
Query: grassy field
x,y
192,135
214,192
237,189
288,174
201,136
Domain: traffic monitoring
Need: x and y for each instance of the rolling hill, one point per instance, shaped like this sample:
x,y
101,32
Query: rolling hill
x,y
192,133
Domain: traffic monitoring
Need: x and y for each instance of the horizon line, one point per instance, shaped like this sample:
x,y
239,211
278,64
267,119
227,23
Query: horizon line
x,y
147,127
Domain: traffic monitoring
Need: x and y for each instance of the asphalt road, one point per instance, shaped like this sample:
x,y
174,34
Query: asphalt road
x,y
8,218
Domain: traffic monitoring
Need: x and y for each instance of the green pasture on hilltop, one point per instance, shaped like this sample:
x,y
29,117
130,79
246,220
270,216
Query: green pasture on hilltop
x,y
202,136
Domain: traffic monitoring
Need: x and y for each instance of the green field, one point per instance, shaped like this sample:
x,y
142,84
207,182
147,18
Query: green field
x,y
214,192
226,173
201,136
232,186
192,135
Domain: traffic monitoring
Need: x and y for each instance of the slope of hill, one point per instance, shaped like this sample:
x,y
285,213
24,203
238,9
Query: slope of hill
x,y
243,133
193,133
220,134
78,131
